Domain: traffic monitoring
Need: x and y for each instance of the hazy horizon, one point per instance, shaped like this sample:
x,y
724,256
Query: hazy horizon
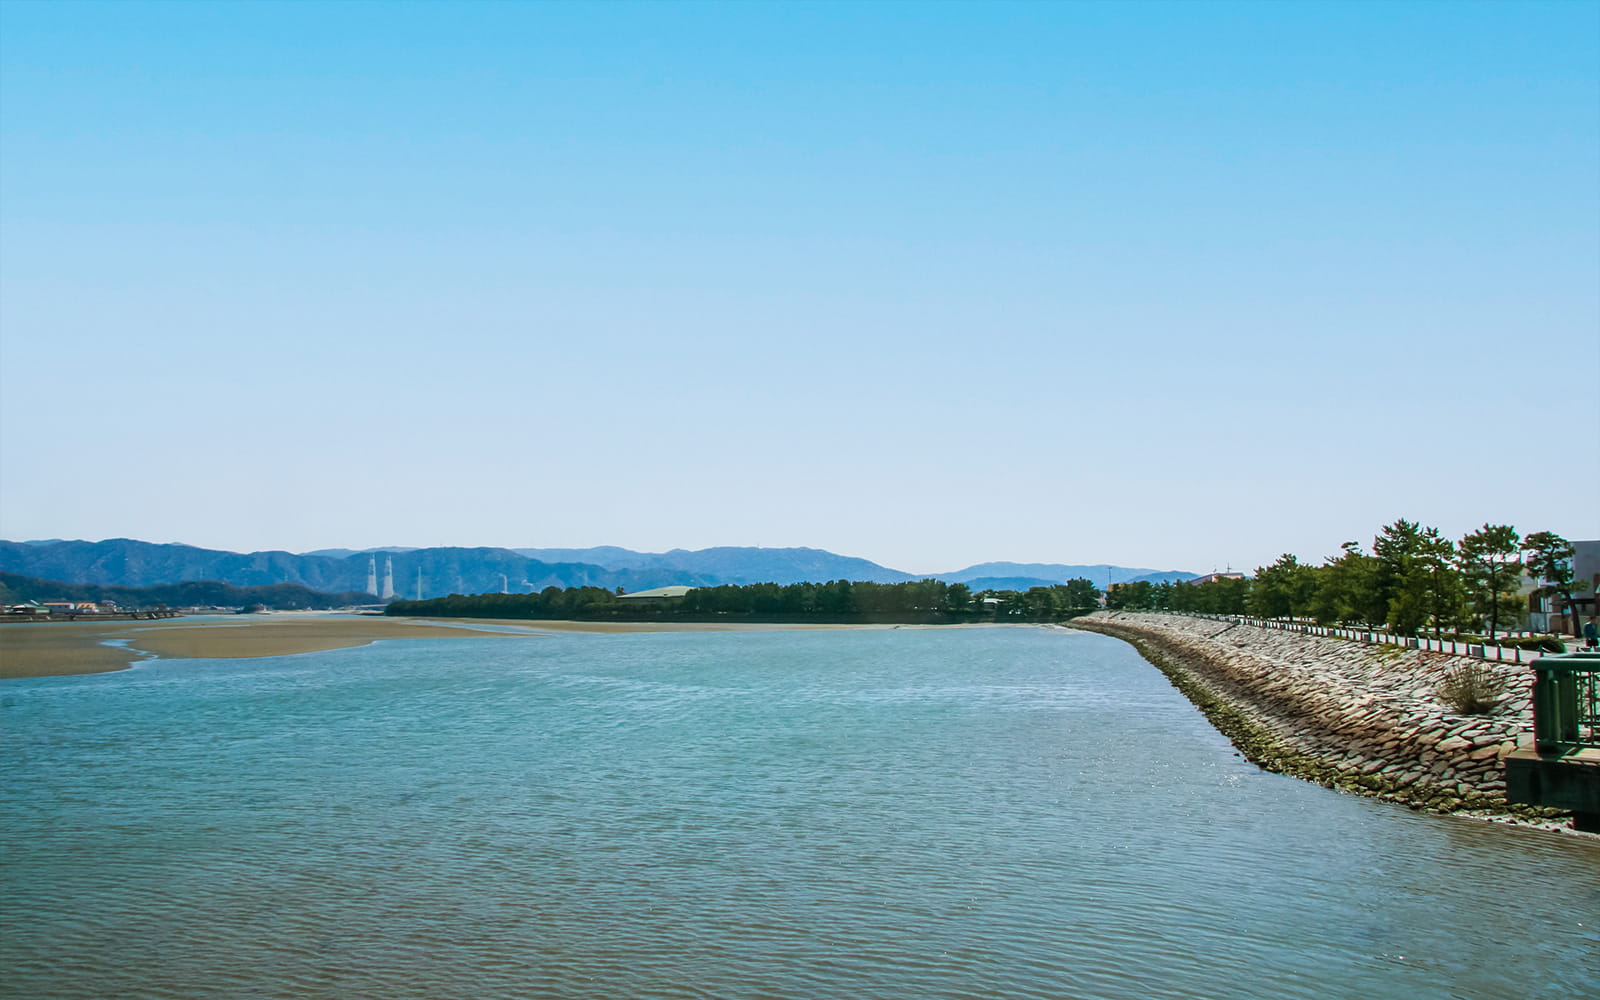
x,y
378,549
1168,284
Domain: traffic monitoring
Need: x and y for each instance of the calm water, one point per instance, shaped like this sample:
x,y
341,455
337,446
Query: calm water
x,y
899,813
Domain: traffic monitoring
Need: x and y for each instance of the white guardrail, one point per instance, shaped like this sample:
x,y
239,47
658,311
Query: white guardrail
x,y
1482,650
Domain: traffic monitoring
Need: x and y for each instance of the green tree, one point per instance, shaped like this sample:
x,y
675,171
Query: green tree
x,y
1041,602
1549,562
1416,572
1491,564
1398,583
1080,594
1347,589
837,597
1163,595
1226,596
1136,596
1283,590
1182,597
1232,595
1445,596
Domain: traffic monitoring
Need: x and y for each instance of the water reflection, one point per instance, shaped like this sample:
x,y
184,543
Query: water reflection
x,y
966,813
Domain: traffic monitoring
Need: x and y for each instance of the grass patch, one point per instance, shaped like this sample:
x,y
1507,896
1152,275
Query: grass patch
x,y
1471,689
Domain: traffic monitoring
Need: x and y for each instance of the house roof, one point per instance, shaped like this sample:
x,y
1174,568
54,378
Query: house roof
x,y
659,593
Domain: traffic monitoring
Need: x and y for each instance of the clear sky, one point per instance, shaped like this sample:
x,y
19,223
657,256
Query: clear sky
x,y
1174,285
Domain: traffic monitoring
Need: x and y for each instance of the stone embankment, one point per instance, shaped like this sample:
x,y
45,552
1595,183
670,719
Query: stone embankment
x,y
1345,714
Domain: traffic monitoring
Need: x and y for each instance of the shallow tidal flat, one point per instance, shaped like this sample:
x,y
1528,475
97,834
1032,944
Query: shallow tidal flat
x,y
48,649
57,648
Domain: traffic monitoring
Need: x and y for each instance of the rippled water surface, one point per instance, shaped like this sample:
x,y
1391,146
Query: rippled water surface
x,y
844,814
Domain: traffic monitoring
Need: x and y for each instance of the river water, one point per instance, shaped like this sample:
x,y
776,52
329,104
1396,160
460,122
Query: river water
x,y
972,813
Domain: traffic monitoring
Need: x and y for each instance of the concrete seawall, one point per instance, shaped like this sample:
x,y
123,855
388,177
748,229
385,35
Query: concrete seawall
x,y
1345,714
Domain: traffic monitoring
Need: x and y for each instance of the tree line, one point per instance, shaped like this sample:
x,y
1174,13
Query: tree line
x,y
1413,579
835,601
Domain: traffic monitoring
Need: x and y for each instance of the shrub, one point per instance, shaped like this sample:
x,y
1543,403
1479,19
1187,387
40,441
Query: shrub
x,y
1547,644
1471,689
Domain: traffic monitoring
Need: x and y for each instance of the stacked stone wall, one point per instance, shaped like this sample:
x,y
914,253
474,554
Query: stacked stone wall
x,y
1346,714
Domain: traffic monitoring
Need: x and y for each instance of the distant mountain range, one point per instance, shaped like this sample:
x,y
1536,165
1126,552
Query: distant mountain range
x,y
1021,576
438,572
732,564
189,594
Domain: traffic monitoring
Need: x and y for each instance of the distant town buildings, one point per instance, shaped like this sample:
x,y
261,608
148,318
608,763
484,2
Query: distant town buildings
x,y
1544,613
1212,577
40,608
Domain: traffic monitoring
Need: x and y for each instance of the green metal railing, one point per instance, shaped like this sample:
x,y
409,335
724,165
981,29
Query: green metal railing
x,y
1375,634
1566,701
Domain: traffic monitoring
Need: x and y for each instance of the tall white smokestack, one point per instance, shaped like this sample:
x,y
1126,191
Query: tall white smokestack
x,y
388,578
419,583
372,575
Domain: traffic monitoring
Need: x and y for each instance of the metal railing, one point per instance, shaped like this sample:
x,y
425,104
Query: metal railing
x,y
1566,701
1492,652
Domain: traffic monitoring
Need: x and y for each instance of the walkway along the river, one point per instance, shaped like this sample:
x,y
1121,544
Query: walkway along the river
x,y
1349,715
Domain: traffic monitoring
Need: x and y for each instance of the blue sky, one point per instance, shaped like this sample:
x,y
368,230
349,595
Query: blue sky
x,y
1175,285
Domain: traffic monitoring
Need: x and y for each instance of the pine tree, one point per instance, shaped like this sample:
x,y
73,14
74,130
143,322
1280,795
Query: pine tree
x,y
1491,563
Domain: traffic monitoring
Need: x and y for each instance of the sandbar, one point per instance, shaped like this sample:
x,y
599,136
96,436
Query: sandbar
x,y
60,648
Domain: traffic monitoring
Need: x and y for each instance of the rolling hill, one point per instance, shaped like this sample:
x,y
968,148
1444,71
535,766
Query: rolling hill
x,y
438,572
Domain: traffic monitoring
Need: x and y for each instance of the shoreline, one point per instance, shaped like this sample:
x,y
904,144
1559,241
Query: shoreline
x,y
1341,714
62,649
